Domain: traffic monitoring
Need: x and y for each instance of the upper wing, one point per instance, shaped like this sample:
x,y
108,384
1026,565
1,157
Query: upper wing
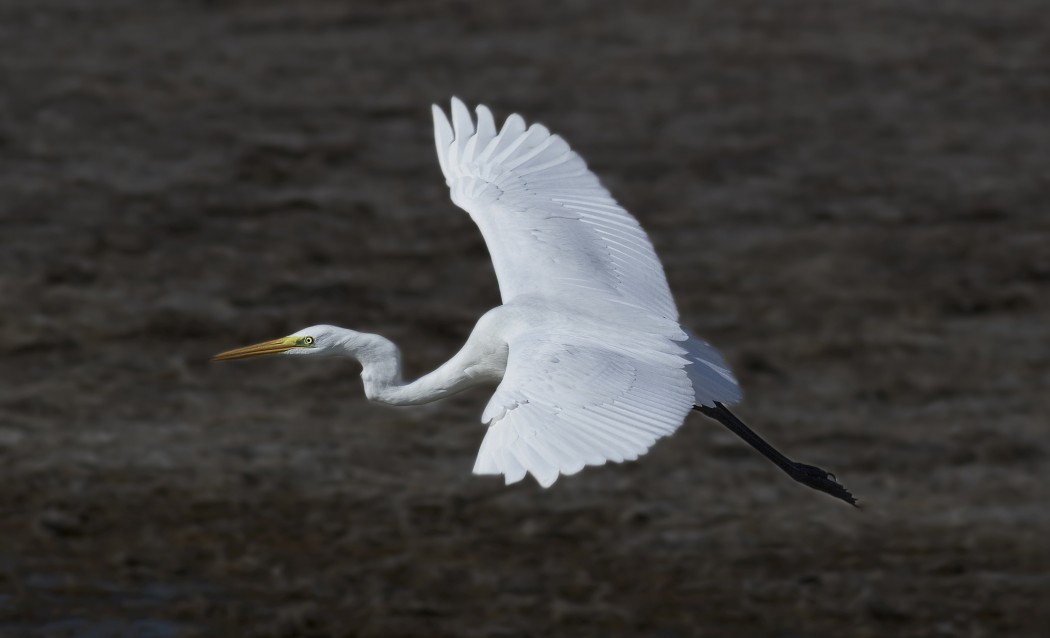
x,y
550,226
568,401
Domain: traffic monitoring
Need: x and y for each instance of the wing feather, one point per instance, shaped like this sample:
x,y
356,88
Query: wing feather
x,y
512,130
443,137
572,402
550,226
486,130
554,232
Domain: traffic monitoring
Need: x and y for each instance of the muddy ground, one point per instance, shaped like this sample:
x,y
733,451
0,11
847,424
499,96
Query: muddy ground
x,y
849,198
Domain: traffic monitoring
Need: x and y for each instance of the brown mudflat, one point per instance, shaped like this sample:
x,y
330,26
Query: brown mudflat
x,y
850,199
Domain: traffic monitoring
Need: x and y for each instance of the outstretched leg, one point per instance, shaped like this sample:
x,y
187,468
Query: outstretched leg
x,y
809,475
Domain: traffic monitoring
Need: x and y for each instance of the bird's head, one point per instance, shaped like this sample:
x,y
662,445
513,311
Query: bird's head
x,y
316,340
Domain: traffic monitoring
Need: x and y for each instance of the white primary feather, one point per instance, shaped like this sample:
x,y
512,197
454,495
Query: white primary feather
x,y
568,401
550,226
610,371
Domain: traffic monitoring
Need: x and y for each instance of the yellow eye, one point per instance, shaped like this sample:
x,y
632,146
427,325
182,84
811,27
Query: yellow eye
x,y
308,341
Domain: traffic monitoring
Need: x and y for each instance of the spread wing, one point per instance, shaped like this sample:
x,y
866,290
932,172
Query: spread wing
x,y
568,401
577,398
550,226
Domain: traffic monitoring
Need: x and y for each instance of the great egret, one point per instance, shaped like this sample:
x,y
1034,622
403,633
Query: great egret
x,y
591,362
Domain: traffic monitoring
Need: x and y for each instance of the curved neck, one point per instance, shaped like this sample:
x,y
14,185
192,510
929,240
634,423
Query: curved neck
x,y
380,362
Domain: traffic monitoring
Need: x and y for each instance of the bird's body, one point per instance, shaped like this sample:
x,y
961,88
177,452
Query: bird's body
x,y
591,362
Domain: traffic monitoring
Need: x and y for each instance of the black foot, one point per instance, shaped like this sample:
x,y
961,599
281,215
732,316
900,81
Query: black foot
x,y
808,475
818,479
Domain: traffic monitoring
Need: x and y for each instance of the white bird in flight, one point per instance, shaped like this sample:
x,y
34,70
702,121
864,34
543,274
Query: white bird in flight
x,y
591,362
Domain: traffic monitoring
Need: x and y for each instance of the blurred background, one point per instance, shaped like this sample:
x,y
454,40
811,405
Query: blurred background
x,y
850,202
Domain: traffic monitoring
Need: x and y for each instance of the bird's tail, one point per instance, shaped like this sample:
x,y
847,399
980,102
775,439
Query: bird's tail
x,y
710,374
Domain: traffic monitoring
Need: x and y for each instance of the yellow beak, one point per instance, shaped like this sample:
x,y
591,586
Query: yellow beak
x,y
276,346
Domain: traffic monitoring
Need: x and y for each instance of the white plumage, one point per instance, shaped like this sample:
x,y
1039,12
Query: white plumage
x,y
610,376
550,226
591,361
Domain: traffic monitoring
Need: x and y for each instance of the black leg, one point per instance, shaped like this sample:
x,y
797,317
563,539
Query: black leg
x,y
809,475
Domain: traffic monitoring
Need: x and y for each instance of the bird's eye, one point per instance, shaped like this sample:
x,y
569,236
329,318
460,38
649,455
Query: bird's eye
x,y
308,341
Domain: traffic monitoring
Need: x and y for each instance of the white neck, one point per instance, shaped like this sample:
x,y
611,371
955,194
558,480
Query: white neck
x,y
381,372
